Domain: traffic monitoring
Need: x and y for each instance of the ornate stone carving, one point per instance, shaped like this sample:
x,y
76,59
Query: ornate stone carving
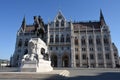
x,y
36,57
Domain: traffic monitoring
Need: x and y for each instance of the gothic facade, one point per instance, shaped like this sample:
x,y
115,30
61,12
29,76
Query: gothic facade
x,y
70,44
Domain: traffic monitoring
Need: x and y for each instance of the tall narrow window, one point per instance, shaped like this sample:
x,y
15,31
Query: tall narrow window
x,y
98,42
62,23
25,51
51,38
56,48
90,41
100,56
107,56
76,41
84,57
50,48
18,57
56,38
76,57
83,49
67,38
106,41
83,41
26,42
91,49
62,38
20,43
91,56
57,23
76,49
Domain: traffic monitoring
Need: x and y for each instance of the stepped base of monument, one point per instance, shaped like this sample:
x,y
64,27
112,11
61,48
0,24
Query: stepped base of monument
x,y
52,75
33,66
28,66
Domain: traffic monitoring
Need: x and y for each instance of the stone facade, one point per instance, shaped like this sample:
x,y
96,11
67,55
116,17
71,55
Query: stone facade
x,y
70,44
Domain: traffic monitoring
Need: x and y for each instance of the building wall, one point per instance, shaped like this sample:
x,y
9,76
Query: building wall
x,y
59,32
82,44
93,54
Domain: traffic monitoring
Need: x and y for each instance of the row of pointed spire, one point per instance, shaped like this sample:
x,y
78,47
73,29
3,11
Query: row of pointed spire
x,y
38,22
102,20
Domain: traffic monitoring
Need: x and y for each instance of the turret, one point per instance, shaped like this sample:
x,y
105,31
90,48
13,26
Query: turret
x,y
23,24
102,21
23,27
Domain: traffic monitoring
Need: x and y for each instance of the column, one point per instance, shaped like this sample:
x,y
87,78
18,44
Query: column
x,y
103,50
80,54
112,52
95,47
73,62
54,33
88,53
48,40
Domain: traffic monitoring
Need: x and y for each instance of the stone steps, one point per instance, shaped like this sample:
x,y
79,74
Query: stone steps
x,y
65,73
53,75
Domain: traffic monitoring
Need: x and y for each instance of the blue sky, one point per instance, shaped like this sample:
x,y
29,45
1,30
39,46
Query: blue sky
x,y
13,11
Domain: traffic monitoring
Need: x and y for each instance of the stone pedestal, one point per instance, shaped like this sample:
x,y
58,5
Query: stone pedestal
x,y
28,66
35,61
33,66
44,66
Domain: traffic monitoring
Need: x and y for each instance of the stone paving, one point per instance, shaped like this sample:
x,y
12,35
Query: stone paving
x,y
14,75
94,74
79,74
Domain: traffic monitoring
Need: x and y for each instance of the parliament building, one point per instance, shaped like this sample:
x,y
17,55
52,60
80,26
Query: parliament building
x,y
70,44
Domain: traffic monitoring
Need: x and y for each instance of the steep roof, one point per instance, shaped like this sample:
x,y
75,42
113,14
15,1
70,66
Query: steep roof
x,y
29,28
90,24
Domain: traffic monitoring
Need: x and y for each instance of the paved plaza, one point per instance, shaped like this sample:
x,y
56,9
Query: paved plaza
x,y
94,74
75,74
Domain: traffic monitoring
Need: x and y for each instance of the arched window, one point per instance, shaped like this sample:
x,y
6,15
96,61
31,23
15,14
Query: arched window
x,y
84,57
51,38
62,23
57,38
92,56
20,43
106,41
100,56
54,60
65,61
107,56
57,23
76,56
76,41
83,41
62,38
98,42
90,40
26,42
67,38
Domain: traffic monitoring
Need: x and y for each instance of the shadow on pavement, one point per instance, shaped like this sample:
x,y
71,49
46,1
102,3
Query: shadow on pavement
x,y
102,76
57,77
